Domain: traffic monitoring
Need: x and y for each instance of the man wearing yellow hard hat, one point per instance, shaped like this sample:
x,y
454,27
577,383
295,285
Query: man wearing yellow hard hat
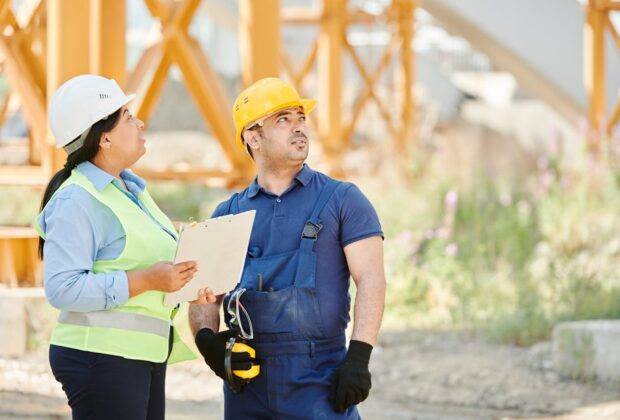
x,y
311,235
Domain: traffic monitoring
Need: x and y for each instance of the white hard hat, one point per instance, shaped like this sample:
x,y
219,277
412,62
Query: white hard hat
x,y
79,103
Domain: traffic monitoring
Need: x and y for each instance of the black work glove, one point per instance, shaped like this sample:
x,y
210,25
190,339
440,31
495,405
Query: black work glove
x,y
212,346
351,383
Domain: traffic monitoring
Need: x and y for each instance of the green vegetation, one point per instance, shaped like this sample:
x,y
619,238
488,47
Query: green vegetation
x,y
508,258
508,261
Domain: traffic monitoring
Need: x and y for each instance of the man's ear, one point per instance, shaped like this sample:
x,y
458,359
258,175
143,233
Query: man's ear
x,y
104,141
251,139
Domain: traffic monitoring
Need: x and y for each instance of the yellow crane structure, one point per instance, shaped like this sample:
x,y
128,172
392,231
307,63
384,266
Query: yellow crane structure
x,y
50,41
598,23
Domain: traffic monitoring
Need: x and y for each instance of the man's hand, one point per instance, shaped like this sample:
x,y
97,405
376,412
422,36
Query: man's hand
x,y
351,383
212,346
204,296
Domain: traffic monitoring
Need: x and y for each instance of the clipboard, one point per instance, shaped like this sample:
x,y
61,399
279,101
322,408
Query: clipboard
x,y
219,246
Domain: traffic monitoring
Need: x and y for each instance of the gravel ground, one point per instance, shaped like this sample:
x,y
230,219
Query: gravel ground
x,y
418,375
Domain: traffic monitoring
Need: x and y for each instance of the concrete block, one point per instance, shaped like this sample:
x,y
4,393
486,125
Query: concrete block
x,y
587,350
26,320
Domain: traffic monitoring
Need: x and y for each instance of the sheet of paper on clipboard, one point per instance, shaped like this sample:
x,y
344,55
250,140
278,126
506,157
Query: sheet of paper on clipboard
x,y
219,246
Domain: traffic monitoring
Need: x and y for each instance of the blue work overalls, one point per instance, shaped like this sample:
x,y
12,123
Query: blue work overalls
x,y
298,356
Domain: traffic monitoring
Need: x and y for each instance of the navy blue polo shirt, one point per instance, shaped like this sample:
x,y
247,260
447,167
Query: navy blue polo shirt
x,y
347,217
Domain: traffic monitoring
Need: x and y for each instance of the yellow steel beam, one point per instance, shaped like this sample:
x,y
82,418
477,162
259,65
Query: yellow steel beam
x,y
168,174
184,15
405,12
4,106
330,82
594,65
299,15
202,82
612,30
615,117
67,52
259,36
369,89
22,48
160,9
307,65
37,15
32,98
297,78
5,6
7,17
18,257
23,175
334,19
610,5
32,38
107,38
371,80
147,81
204,86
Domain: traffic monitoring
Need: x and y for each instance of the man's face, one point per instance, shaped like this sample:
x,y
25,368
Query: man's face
x,y
284,137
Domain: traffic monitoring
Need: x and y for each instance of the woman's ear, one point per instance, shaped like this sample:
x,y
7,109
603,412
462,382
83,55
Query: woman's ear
x,y
104,141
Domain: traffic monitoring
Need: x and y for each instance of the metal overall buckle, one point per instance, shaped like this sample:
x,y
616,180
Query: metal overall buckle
x,y
311,230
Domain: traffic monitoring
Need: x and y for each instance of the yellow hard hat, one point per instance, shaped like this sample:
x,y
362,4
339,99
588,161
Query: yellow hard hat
x,y
263,98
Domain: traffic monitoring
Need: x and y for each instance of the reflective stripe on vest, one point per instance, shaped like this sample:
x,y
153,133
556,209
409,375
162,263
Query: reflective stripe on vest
x,y
117,319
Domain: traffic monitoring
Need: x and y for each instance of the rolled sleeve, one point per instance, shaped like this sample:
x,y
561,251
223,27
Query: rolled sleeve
x,y
70,251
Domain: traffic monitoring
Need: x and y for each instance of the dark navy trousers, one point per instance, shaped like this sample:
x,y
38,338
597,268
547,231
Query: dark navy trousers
x,y
104,387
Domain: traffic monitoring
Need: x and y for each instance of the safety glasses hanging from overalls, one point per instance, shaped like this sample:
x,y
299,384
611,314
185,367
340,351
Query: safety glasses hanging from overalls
x,y
239,370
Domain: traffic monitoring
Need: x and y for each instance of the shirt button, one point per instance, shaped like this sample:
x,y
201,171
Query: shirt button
x,y
278,200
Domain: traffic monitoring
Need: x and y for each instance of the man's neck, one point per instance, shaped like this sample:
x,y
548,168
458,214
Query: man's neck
x,y
276,181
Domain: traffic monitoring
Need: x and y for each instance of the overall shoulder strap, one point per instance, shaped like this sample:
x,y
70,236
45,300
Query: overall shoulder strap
x,y
313,225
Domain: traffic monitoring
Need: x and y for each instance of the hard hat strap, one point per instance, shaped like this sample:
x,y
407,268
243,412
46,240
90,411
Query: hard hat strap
x,y
77,144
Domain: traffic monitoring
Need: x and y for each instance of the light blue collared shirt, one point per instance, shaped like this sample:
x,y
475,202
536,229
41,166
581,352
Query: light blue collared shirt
x,y
80,230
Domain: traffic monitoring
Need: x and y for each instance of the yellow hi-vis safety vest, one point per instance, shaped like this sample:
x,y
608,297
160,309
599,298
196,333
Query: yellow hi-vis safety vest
x,y
139,329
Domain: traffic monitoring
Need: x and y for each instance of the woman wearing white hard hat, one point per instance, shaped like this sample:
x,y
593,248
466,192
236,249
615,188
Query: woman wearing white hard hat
x,y
107,249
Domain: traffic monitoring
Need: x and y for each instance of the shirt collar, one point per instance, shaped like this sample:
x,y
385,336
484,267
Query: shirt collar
x,y
100,178
303,177
130,177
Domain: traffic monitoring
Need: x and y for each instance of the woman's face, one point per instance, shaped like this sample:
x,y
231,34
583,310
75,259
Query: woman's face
x,y
126,139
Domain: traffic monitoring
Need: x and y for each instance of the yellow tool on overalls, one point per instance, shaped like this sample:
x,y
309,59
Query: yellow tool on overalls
x,y
238,379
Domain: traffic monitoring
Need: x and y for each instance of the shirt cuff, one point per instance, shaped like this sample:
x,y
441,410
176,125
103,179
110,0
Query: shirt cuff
x,y
362,236
117,293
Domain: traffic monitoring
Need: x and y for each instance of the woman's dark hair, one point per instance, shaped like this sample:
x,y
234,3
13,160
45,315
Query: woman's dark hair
x,y
84,153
